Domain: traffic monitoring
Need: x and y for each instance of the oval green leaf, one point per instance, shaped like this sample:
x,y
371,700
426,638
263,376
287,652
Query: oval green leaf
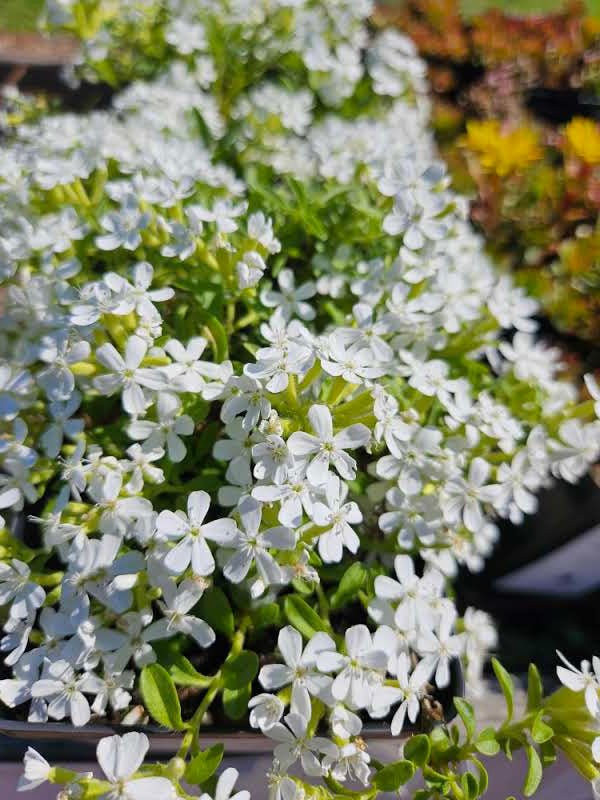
x,y
202,766
160,697
240,670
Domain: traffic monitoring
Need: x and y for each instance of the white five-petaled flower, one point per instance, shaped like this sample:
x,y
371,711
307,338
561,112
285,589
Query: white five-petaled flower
x,y
64,690
36,771
127,375
167,430
441,648
266,710
300,667
354,681
409,691
325,448
295,743
337,516
582,680
178,601
192,532
16,586
120,758
252,545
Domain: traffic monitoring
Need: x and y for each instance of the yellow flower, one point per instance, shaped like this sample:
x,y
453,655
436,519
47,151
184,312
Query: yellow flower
x,y
501,152
583,137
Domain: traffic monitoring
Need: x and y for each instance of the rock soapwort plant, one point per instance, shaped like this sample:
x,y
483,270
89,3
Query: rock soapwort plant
x,y
262,393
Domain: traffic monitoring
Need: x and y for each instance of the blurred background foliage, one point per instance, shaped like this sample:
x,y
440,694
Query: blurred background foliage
x,y
516,110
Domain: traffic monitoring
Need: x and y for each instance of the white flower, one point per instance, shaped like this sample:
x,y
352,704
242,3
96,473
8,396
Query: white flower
x,y
37,771
167,430
187,372
353,683
139,295
16,586
192,533
582,680
351,762
412,593
64,689
245,395
327,448
62,425
127,375
178,601
579,446
294,744
225,786
291,301
300,667
462,497
123,228
410,691
294,497
367,334
267,709
253,546
438,650
273,459
336,516
120,757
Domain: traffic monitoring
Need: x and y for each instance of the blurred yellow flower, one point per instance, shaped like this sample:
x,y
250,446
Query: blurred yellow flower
x,y
583,137
501,152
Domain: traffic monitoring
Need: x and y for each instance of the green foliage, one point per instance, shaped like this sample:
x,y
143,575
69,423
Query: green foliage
x,y
352,581
486,743
160,697
391,777
302,616
466,713
507,686
534,771
215,608
240,670
235,701
418,749
535,688
202,766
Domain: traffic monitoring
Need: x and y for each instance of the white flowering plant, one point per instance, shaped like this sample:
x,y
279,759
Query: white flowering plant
x,y
262,394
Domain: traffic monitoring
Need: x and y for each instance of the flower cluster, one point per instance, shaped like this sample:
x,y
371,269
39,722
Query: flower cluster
x,y
257,370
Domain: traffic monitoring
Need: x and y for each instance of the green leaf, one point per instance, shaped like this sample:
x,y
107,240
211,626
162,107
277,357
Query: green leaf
x,y
534,771
352,581
214,331
393,776
418,749
160,697
302,616
547,753
202,766
467,715
506,684
235,701
240,670
266,616
470,786
540,730
482,772
535,688
184,673
439,739
214,607
486,743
